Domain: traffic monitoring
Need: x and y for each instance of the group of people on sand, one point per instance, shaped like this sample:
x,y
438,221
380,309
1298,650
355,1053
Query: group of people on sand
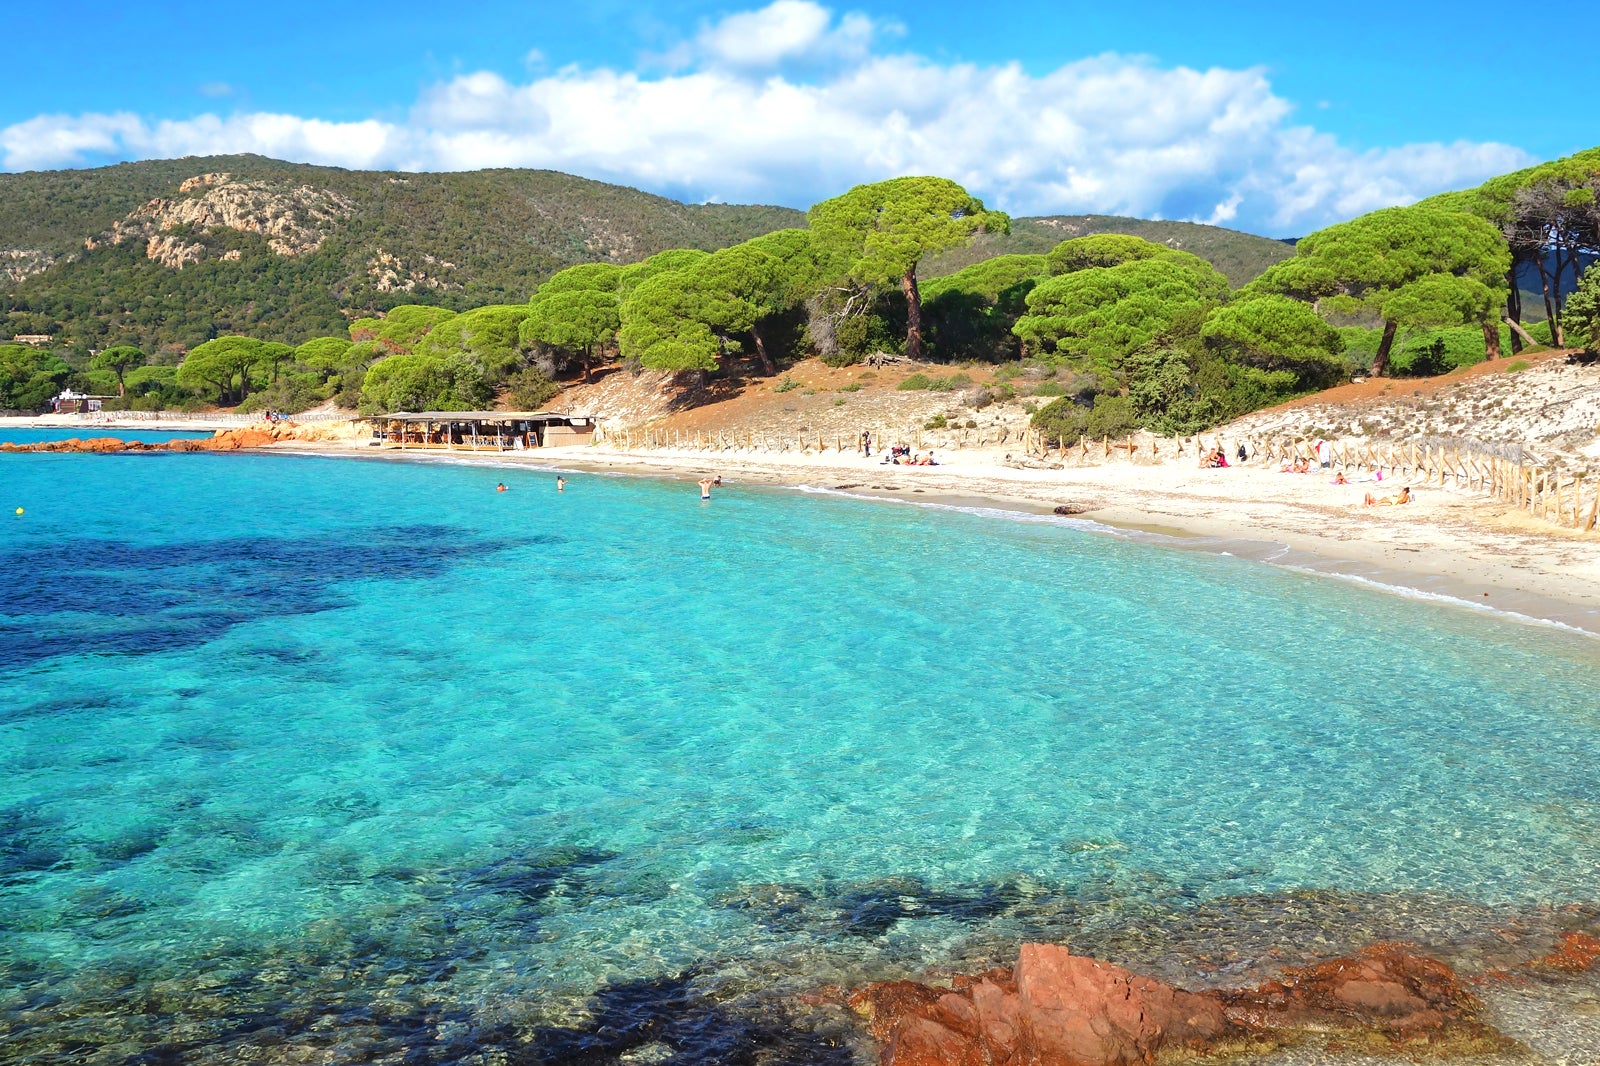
x,y
1216,457
902,455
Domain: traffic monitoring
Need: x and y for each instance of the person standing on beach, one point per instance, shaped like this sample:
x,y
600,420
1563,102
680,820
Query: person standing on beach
x,y
705,488
866,443
561,483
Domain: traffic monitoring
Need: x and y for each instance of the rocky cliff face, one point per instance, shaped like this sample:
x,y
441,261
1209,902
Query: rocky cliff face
x,y
18,263
294,219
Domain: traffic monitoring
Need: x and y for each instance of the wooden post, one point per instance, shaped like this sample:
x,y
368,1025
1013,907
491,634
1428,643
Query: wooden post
x,y
1594,512
1577,500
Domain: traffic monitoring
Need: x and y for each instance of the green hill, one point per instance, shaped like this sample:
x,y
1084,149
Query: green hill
x,y
168,253
1239,256
144,253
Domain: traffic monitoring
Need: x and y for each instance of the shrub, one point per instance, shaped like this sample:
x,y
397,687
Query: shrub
x,y
936,422
1111,416
949,384
978,399
1049,388
854,386
1515,366
531,389
786,385
1062,419
915,383
1429,353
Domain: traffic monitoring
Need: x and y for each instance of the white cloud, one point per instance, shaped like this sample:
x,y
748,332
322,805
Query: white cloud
x,y
1108,134
787,30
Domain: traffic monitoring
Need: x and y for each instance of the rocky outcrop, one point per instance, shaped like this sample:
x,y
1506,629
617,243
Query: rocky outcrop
x,y
1059,1009
19,263
1384,987
1574,953
295,220
390,273
228,440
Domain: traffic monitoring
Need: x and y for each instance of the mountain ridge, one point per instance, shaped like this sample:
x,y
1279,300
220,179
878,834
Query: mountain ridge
x,y
169,253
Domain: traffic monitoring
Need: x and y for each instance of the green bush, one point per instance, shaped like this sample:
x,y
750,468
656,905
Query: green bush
x,y
1062,419
1049,388
936,422
915,383
1429,353
531,389
425,383
854,386
290,394
1516,366
786,385
1111,416
949,384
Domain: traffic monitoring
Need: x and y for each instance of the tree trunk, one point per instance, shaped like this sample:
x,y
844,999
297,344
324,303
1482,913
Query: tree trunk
x,y
1491,338
1544,283
1380,362
1518,331
1514,307
1557,334
767,366
122,390
588,354
913,314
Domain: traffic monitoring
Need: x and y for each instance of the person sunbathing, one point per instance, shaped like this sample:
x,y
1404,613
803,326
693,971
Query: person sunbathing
x,y
1389,501
1340,479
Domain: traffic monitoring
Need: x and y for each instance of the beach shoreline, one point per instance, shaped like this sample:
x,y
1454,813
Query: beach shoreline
x,y
1447,546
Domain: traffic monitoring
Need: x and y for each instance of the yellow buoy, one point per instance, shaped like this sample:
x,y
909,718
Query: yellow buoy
x,y
19,510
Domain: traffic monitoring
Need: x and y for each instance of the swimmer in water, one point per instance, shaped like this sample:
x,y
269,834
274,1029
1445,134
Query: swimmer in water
x,y
705,488
561,483
501,487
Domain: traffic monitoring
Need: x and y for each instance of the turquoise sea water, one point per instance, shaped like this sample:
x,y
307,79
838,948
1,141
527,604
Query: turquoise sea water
x,y
19,435
285,740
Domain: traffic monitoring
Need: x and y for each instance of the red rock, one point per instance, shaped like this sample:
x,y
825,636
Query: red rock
x,y
999,1018
1576,952
1060,1009
1078,1011
884,1004
1384,987
924,1042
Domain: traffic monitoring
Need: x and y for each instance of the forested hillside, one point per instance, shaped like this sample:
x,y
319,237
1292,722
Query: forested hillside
x,y
1241,257
169,253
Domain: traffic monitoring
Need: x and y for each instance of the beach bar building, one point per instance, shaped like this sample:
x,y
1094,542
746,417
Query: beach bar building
x,y
481,431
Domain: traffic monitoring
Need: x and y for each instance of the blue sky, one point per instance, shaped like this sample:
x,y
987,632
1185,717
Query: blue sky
x,y
1236,113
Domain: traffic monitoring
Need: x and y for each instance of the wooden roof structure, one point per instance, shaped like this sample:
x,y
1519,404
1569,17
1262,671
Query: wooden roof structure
x,y
482,430
482,416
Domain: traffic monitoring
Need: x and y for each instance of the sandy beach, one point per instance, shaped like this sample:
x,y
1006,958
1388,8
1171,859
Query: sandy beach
x,y
1446,544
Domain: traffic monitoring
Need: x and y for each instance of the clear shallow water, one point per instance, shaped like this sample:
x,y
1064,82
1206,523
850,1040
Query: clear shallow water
x,y
281,733
17,435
